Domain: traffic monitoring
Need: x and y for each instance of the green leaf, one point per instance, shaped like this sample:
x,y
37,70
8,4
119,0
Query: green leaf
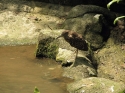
x,y
110,3
117,19
36,90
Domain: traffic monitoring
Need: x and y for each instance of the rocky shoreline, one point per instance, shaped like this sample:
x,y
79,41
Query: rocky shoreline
x,y
102,71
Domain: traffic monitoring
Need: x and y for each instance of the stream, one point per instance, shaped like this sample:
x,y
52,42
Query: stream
x,y
21,72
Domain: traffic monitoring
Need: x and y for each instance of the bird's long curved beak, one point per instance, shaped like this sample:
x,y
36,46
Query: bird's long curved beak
x,y
59,36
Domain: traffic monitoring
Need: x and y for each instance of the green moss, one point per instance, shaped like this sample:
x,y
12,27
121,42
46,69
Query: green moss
x,y
48,48
123,91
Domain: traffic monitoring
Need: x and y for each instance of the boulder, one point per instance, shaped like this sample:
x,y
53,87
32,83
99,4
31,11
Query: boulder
x,y
111,58
90,26
48,45
81,67
96,85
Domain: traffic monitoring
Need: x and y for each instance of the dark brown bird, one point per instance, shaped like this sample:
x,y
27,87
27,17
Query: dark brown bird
x,y
75,40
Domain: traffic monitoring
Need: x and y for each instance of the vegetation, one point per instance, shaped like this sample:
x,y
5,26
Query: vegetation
x,y
108,6
36,90
117,19
113,1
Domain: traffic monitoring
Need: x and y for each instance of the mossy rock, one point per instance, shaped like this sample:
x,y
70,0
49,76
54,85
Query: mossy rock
x,y
96,85
47,47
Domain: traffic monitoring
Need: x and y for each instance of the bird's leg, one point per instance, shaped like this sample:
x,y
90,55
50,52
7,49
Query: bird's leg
x,y
75,57
76,53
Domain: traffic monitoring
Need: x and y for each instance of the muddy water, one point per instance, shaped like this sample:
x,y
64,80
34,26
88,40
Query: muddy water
x,y
20,72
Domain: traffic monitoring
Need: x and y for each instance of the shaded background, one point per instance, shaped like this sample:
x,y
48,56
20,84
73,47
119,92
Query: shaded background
x,y
120,8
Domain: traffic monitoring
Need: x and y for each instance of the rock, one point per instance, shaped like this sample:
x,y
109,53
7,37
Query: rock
x,y
47,47
65,56
111,59
96,85
21,21
80,10
34,7
81,68
111,63
47,44
89,26
16,29
79,72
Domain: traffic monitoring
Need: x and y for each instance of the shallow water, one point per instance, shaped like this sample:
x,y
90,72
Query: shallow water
x,y
20,72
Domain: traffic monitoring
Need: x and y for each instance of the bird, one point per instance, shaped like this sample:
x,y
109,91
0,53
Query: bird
x,y
75,40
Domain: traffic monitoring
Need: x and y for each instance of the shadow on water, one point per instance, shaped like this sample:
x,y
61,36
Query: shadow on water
x,y
20,72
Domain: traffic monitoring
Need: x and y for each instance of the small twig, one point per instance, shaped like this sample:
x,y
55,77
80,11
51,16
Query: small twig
x,y
49,27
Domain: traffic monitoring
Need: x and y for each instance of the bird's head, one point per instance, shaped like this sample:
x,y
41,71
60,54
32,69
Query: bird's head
x,y
64,34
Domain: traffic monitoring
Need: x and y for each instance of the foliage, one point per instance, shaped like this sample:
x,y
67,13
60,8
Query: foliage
x,y
108,6
117,19
113,1
36,90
